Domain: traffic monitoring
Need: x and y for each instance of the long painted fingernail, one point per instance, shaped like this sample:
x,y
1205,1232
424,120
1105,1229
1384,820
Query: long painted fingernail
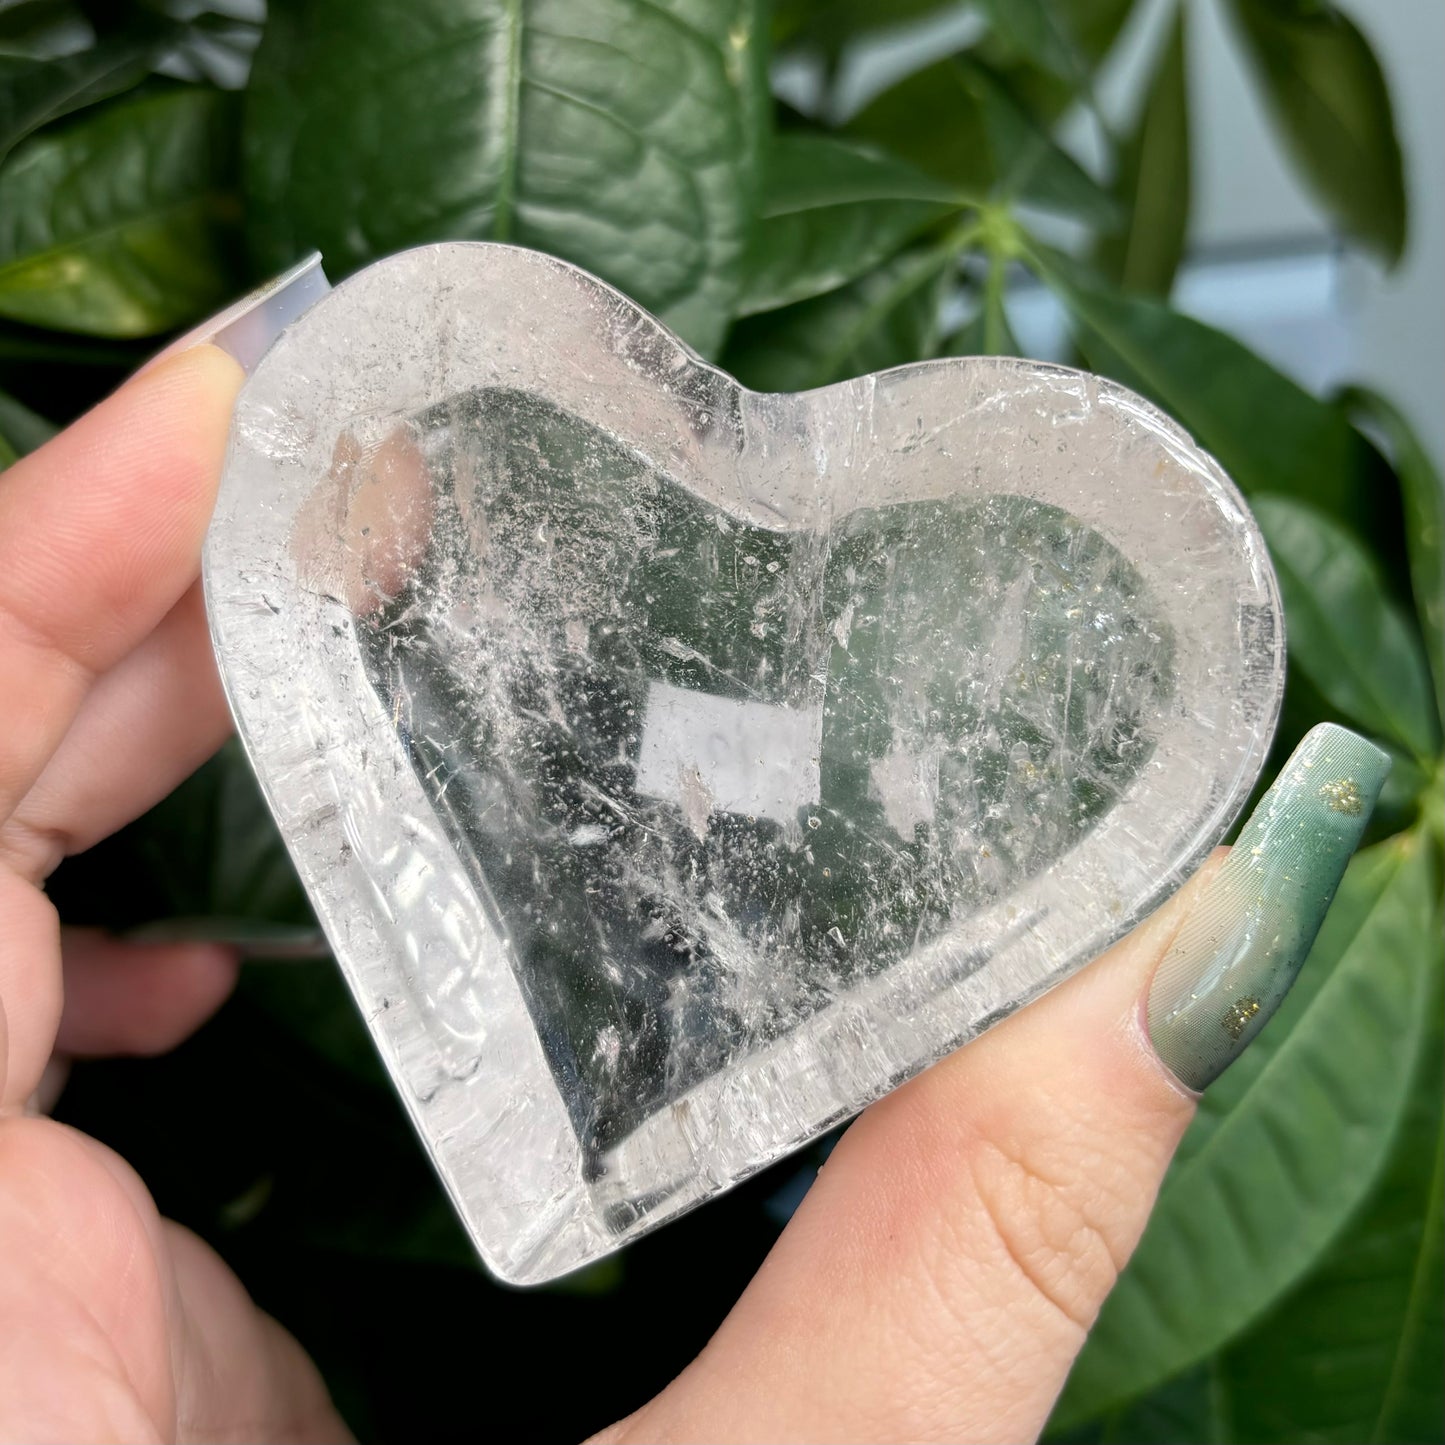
x,y
246,328
1243,943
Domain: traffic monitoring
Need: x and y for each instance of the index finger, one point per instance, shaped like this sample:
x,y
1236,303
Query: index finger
x,y
100,534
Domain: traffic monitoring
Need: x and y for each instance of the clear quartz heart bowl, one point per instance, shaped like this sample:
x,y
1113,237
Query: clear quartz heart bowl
x,y
675,768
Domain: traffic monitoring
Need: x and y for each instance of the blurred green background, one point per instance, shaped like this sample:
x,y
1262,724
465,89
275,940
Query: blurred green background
x,y
806,191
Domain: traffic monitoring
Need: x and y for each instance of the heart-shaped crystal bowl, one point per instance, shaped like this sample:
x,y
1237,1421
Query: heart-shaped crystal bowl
x,y
676,768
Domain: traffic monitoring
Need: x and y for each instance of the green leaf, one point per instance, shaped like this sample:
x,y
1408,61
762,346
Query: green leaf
x,y
227,874
309,1000
118,226
1035,30
1153,180
934,119
214,849
1424,496
251,874
1345,634
832,211
989,332
22,346
1190,1407
959,120
35,92
1285,1147
1030,165
832,24
1331,106
32,27
623,135
21,430
1354,1354
885,319
1268,433
1093,24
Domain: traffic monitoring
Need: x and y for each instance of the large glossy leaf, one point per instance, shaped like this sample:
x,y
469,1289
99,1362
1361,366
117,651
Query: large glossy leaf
x,y
958,119
885,319
623,135
1153,180
1187,1410
1287,1144
832,24
1354,1354
214,850
830,212
38,27
1269,434
119,225
1332,108
934,119
1345,634
1028,163
1424,495
34,92
1036,30
1092,27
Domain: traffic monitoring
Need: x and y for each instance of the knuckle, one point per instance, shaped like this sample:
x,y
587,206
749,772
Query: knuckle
x,y
1057,1227
32,850
40,637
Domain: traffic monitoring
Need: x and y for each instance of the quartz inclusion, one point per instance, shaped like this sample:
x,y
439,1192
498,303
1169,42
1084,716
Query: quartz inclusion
x,y
710,775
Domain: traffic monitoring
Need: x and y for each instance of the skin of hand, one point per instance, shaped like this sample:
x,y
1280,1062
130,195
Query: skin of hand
x,y
937,1280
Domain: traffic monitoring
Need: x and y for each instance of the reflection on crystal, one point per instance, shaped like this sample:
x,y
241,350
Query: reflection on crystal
x,y
730,755
905,783
709,774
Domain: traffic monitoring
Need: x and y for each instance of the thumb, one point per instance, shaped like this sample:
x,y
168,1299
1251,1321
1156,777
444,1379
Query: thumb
x,y
941,1275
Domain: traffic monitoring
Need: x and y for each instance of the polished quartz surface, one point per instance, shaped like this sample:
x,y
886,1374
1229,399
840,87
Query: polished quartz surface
x,y
675,768
713,774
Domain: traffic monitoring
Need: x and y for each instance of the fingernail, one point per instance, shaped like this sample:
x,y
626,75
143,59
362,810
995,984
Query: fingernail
x,y
246,328
1243,943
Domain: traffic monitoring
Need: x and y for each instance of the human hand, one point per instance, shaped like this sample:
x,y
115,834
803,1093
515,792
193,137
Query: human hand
x,y
936,1282
940,1276
114,1323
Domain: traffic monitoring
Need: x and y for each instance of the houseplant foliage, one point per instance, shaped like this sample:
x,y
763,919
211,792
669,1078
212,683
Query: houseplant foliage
x,y
157,158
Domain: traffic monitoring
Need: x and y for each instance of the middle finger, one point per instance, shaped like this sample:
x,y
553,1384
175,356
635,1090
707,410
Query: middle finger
x,y
144,727
100,531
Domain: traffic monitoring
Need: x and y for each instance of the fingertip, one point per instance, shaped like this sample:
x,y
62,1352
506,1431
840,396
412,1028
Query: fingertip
x,y
186,402
968,1226
101,528
213,373
139,999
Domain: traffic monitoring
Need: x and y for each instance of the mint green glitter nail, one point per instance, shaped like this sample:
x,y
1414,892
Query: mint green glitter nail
x,y
1242,945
